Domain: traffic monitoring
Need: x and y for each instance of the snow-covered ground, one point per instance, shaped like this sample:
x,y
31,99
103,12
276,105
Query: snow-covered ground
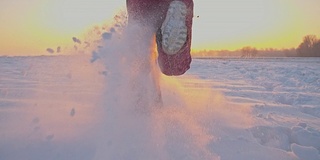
x,y
284,99
66,108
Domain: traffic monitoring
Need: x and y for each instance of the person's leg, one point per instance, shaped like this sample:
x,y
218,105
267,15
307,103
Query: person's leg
x,y
143,19
145,12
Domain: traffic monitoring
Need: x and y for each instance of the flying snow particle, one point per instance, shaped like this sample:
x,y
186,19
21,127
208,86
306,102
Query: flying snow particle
x,y
94,56
106,35
76,40
112,30
58,49
50,50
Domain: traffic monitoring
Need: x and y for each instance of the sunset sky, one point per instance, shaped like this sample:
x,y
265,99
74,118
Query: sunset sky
x,y
28,27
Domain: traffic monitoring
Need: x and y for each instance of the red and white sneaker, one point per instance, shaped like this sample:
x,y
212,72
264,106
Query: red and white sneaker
x,y
174,38
172,22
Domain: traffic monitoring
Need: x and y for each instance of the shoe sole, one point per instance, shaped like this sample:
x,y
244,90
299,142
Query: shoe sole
x,y
174,30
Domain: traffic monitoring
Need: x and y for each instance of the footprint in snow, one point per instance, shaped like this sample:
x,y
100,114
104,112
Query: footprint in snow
x,y
50,137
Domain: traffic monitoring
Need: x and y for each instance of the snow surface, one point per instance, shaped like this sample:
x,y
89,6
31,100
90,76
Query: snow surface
x,y
105,106
229,109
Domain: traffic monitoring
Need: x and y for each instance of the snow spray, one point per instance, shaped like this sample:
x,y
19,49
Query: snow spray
x,y
146,115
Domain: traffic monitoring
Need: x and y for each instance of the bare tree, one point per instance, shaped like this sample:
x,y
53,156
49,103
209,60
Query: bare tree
x,y
249,51
310,47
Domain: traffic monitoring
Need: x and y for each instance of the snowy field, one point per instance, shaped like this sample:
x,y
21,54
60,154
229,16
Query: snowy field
x,y
66,108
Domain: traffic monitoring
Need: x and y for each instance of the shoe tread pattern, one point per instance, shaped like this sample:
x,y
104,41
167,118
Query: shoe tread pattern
x,y
174,29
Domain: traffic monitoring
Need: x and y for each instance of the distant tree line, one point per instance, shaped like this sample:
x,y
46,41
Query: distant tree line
x,y
310,47
249,51
246,52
